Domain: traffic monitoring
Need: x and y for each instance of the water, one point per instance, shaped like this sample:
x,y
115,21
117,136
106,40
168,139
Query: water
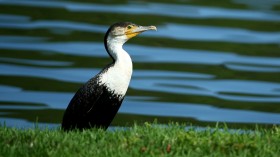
x,y
207,63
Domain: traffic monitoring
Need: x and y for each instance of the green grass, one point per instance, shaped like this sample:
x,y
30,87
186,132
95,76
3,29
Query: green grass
x,y
144,140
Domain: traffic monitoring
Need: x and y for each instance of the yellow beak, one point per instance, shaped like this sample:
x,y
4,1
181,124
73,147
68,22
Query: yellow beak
x,y
135,30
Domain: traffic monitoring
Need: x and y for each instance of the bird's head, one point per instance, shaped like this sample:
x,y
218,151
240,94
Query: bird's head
x,y
124,31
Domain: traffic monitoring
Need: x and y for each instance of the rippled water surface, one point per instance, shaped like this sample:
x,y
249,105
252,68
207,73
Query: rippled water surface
x,y
209,61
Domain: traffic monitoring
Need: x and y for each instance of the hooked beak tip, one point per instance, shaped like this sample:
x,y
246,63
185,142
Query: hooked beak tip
x,y
153,28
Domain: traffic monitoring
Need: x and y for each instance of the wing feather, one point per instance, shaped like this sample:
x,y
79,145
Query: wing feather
x,y
92,106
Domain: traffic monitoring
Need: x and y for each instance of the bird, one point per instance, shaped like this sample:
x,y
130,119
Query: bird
x,y
96,103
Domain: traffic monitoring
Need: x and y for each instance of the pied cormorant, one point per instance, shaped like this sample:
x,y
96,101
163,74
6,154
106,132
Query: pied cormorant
x,y
96,103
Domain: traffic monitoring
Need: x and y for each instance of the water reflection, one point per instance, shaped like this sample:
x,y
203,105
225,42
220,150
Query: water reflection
x,y
197,111
35,62
143,53
259,4
250,91
173,10
68,74
13,18
204,64
252,68
8,39
53,25
207,33
191,32
160,81
81,75
197,56
200,112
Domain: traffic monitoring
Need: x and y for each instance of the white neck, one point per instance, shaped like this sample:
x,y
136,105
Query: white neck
x,y
118,76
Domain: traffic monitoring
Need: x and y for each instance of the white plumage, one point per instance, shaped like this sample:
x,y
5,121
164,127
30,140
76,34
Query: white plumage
x,y
117,77
97,102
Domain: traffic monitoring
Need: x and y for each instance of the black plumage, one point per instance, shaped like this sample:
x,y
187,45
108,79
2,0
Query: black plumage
x,y
92,106
96,103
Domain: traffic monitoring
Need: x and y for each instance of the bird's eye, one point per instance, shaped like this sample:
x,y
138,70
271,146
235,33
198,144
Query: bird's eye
x,y
129,27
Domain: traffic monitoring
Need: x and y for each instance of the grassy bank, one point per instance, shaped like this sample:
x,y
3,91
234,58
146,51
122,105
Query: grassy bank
x,y
144,140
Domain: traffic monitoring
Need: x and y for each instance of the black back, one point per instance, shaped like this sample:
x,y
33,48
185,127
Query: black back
x,y
93,105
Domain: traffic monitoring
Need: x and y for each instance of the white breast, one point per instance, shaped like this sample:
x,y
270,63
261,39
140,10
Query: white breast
x,y
117,77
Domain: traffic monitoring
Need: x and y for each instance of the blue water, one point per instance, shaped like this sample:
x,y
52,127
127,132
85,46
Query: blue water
x,y
206,63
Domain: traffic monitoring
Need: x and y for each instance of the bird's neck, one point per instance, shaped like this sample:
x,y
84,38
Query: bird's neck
x,y
118,76
118,54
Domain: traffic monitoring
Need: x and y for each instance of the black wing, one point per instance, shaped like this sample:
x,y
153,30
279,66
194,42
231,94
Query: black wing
x,y
92,106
